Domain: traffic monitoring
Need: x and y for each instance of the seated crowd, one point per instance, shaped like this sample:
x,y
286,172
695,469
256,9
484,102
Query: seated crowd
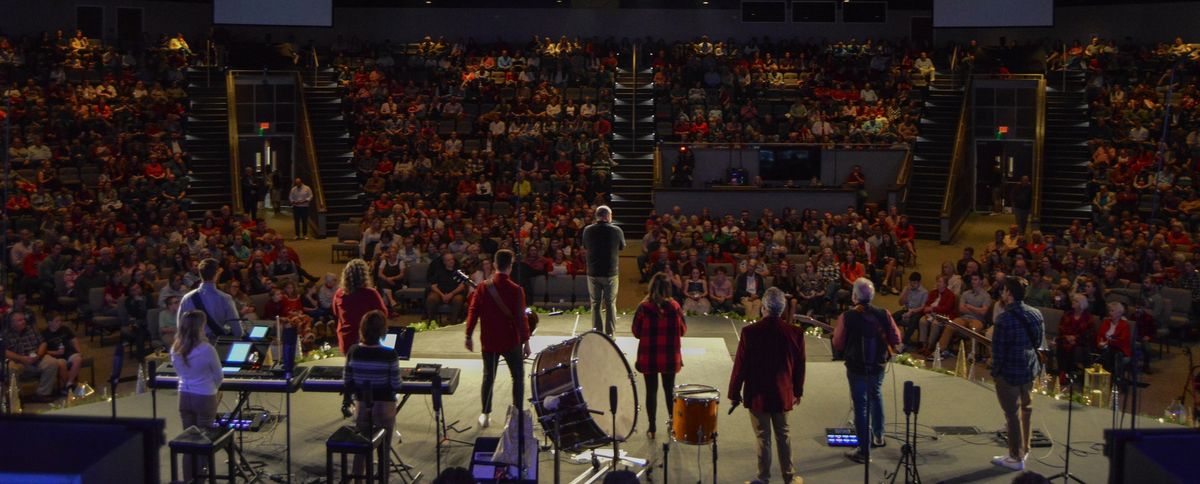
x,y
98,226
1137,174
467,148
789,91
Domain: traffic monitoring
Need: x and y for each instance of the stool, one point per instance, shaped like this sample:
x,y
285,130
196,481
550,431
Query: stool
x,y
347,441
203,443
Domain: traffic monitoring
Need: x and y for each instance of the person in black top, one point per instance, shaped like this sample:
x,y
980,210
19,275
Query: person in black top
x,y
63,346
372,375
864,335
603,242
445,289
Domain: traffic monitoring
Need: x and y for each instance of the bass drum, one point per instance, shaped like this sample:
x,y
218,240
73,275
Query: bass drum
x,y
571,379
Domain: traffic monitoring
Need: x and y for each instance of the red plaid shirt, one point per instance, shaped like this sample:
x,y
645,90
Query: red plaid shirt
x,y
658,330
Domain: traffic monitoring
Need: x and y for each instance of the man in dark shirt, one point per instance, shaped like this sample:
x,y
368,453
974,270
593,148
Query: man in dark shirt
x,y
603,242
445,289
26,354
1022,200
1018,333
64,347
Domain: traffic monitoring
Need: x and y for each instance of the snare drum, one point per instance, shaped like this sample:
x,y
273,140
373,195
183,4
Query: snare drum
x,y
571,379
694,416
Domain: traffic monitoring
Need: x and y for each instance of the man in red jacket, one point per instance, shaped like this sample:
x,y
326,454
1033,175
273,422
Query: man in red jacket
x,y
498,306
768,374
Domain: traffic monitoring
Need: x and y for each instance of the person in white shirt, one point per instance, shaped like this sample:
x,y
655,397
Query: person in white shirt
x,y
924,65
300,197
199,369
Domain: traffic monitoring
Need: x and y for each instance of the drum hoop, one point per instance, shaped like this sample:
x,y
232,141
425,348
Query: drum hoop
x,y
628,371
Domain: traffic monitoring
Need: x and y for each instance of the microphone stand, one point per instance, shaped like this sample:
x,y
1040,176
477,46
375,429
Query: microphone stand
x,y
866,419
1066,473
118,362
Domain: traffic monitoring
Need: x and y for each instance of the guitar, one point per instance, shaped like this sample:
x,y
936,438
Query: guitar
x,y
1044,354
838,355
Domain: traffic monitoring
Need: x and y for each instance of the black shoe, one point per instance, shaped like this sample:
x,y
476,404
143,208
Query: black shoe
x,y
346,411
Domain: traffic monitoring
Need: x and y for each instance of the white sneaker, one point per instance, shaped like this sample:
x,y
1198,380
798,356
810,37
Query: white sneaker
x,y
484,420
1008,463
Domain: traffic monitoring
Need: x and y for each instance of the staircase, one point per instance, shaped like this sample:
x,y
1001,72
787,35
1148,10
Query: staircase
x,y
207,140
1066,155
633,150
332,141
931,159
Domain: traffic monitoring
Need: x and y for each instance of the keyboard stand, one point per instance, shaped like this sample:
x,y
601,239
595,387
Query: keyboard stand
x,y
398,466
244,469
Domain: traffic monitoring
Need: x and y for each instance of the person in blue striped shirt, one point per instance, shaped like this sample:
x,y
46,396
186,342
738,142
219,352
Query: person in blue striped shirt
x,y
373,374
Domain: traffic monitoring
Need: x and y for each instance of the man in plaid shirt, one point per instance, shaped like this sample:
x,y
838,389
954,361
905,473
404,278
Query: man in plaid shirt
x,y
1018,333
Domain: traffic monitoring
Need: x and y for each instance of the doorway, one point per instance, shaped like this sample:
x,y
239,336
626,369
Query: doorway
x,y
129,26
1000,164
252,150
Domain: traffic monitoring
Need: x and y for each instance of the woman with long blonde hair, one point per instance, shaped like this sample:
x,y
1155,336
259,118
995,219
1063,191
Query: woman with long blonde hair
x,y
658,325
354,299
199,369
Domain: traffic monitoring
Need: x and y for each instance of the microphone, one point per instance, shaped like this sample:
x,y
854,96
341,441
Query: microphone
x,y
118,362
612,399
908,396
732,407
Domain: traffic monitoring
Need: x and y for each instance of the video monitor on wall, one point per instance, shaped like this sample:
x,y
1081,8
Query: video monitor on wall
x,y
784,164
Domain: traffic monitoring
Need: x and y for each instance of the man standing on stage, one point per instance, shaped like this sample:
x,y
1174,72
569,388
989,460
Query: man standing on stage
x,y
864,335
499,305
222,315
1017,335
603,242
768,374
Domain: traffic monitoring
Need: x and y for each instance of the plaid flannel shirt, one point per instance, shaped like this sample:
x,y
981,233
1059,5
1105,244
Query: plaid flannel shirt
x,y
1014,354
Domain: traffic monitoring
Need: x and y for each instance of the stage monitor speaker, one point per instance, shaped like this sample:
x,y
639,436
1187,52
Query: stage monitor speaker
x,y
1161,456
101,450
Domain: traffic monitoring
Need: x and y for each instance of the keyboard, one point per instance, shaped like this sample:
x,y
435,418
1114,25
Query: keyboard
x,y
269,381
331,379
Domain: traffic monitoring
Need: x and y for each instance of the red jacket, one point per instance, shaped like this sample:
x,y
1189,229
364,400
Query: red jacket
x,y
1120,339
349,310
768,372
658,331
497,332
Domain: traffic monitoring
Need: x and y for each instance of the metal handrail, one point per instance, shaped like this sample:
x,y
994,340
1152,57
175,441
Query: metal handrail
x,y
235,165
902,175
745,144
633,108
1009,77
304,130
958,154
658,164
1039,147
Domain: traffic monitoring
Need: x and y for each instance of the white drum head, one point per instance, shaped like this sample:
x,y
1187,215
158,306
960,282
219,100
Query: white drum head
x,y
600,365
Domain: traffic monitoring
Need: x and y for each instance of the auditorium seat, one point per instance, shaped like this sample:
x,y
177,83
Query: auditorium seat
x,y
1051,318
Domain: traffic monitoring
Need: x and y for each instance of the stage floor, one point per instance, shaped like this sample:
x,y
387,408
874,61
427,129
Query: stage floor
x,y
947,401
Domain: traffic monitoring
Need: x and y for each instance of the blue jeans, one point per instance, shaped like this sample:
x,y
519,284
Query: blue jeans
x,y
860,385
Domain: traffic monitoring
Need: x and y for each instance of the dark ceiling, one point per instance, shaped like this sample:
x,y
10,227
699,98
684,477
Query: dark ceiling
x,y
680,4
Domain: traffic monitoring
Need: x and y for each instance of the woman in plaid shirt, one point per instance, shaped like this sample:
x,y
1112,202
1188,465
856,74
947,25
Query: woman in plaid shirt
x,y
658,325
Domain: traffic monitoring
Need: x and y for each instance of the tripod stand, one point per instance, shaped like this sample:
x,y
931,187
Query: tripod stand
x,y
908,451
1066,473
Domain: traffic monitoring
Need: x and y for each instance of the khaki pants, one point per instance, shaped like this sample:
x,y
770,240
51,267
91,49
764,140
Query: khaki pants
x,y
763,424
947,335
752,307
1015,402
46,370
198,410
